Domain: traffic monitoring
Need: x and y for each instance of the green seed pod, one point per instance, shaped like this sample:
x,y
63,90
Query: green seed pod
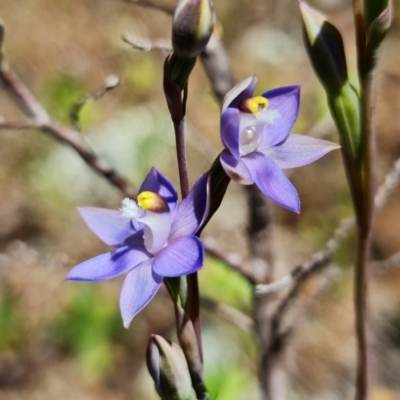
x,y
345,110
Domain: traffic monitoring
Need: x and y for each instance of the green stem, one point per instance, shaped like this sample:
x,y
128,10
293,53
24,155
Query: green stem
x,y
364,202
365,221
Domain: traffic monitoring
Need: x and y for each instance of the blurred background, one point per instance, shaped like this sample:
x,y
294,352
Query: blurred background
x,y
65,340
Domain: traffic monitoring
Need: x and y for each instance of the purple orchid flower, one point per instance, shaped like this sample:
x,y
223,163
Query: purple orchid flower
x,y
255,133
154,238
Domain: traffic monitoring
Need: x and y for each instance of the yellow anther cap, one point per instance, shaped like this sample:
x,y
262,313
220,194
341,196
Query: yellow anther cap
x,y
152,201
254,105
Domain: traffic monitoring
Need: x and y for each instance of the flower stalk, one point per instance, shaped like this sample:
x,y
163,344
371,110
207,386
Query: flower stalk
x,y
365,208
193,24
376,19
372,21
184,291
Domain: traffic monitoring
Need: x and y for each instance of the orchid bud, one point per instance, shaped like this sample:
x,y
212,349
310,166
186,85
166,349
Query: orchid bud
x,y
168,368
379,19
324,45
374,8
192,27
325,48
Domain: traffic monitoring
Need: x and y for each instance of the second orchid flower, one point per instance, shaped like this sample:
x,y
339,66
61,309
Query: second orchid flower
x,y
255,131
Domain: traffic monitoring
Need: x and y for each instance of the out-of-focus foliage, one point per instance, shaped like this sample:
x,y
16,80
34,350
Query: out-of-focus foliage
x,y
11,323
87,328
229,288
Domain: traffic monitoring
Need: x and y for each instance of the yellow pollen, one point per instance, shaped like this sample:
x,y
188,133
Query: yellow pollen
x,y
151,201
254,105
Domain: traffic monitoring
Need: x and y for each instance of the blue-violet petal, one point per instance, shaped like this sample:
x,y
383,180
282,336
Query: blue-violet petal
x,y
192,211
236,170
272,181
109,265
238,93
140,286
230,122
183,256
280,115
299,150
110,226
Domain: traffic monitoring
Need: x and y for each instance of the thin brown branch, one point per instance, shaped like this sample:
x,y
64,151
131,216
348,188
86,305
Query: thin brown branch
x,y
381,267
42,121
324,256
17,126
146,45
389,185
317,261
278,285
232,260
73,139
289,299
228,312
22,95
111,82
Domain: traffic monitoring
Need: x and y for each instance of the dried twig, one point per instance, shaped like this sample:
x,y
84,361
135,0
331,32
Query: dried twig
x,y
232,260
42,121
324,256
112,81
229,313
278,285
318,260
389,185
146,45
381,267
17,126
